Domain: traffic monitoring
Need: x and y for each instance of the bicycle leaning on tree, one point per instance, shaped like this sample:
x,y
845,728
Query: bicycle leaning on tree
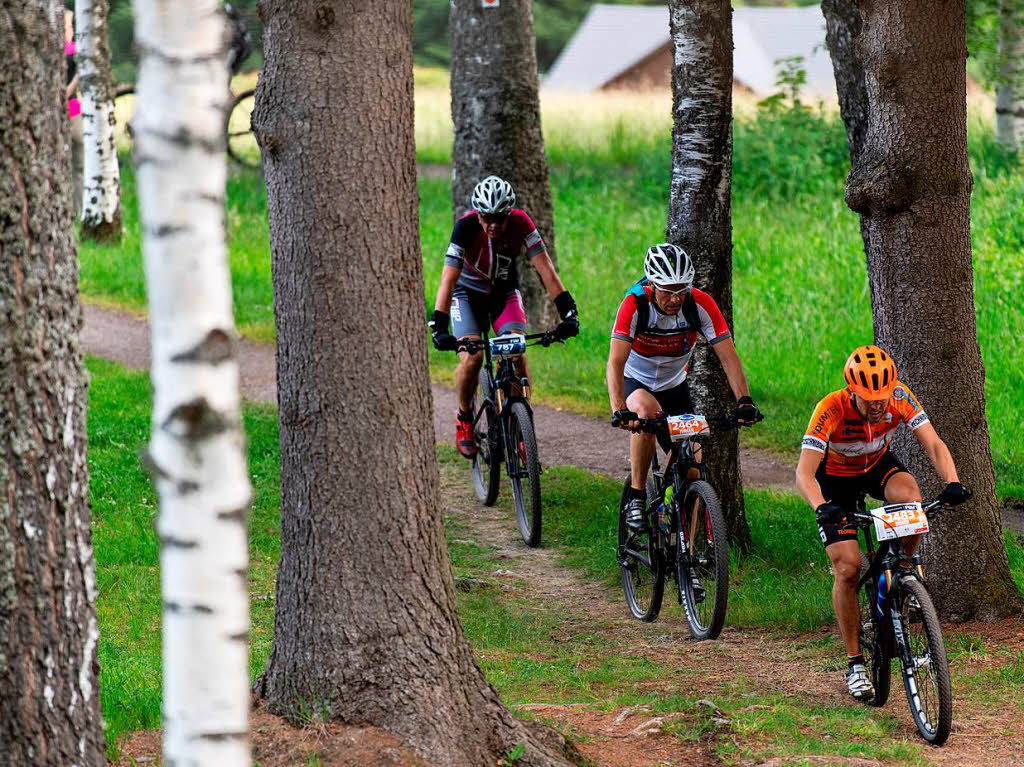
x,y
898,619
503,428
684,535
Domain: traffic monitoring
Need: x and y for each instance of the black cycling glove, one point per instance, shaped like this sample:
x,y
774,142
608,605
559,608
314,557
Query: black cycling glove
x,y
570,324
954,494
746,410
443,340
829,513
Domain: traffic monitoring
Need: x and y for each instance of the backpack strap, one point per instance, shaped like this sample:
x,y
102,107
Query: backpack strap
x,y
643,304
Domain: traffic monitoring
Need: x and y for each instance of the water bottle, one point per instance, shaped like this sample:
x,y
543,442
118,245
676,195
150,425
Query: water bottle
x,y
882,596
664,521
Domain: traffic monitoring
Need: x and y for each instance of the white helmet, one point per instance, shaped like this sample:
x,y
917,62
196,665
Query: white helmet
x,y
668,264
493,196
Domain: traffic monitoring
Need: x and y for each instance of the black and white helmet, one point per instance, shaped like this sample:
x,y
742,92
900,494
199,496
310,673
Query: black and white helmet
x,y
668,264
493,196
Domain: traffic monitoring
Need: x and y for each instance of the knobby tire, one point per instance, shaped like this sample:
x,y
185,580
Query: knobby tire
x,y
527,500
701,514
642,582
486,466
929,694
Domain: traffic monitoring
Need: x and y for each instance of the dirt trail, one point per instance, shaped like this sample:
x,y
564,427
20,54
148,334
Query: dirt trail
x,y
794,666
565,438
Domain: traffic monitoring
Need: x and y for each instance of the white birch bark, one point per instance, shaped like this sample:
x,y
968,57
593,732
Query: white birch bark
x,y
101,199
197,450
1010,91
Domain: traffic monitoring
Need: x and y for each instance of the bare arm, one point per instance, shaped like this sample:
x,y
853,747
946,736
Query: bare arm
x,y
69,92
449,276
552,282
614,373
730,359
806,484
937,452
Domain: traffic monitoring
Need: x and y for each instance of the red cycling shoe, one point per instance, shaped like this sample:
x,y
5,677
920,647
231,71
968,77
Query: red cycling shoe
x,y
465,442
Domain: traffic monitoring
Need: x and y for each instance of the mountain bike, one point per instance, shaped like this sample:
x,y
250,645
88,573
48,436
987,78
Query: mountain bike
x,y
898,618
685,533
503,428
238,137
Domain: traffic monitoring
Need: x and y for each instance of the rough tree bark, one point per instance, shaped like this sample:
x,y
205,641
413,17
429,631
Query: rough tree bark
x,y
700,213
366,628
196,455
842,29
912,185
49,691
496,118
101,199
1010,92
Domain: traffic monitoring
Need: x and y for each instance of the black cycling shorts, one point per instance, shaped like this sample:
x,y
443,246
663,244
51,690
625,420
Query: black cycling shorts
x,y
674,401
846,491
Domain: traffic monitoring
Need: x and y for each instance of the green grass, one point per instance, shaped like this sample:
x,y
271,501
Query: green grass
x,y
800,283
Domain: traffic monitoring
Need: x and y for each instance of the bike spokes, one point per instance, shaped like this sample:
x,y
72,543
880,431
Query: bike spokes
x,y
702,561
924,663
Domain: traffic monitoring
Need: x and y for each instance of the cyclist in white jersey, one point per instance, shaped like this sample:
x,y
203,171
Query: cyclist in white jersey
x,y
657,327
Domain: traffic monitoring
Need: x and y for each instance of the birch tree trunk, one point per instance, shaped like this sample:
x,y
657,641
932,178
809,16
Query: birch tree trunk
x,y
196,455
101,198
700,213
912,185
1010,92
49,691
366,629
496,117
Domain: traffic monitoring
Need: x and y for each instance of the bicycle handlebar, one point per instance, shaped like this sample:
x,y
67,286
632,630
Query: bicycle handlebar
x,y
474,345
660,422
865,518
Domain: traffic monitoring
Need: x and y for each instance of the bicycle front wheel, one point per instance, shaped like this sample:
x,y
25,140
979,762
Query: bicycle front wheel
x,y
643,576
702,560
924,663
486,466
875,639
524,472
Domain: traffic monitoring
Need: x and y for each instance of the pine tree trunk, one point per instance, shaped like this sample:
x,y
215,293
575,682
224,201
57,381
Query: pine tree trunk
x,y
366,629
1010,92
496,117
196,455
49,690
912,185
700,214
101,199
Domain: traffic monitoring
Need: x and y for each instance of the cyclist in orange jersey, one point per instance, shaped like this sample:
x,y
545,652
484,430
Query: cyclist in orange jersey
x,y
845,454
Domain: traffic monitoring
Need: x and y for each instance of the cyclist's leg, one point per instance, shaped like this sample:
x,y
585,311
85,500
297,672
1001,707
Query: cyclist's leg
x,y
466,325
509,316
843,550
897,485
641,446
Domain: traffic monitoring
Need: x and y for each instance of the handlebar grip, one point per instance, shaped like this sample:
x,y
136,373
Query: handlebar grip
x,y
620,417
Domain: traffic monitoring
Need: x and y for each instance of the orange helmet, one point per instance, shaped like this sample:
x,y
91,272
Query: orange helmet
x,y
870,373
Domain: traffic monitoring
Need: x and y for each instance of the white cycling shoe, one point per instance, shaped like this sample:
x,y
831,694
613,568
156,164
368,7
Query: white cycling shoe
x,y
859,682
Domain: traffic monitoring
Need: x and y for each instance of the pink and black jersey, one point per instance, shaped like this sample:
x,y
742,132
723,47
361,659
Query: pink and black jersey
x,y
662,344
488,264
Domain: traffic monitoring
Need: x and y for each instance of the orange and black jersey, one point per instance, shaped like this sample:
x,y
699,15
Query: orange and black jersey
x,y
852,445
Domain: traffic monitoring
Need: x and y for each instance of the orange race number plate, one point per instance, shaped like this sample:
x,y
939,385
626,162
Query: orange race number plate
x,y
898,520
682,427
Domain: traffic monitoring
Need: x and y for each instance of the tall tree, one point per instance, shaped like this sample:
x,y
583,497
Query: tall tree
x,y
1010,89
366,628
842,29
196,454
101,199
700,212
496,117
911,184
50,712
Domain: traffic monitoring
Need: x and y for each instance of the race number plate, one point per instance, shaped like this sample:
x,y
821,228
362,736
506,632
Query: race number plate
x,y
511,345
898,520
682,427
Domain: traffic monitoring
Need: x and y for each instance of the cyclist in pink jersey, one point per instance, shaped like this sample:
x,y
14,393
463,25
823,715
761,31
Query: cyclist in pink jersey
x,y
657,327
480,288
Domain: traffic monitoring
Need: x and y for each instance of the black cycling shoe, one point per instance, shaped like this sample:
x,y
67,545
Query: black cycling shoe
x,y
635,509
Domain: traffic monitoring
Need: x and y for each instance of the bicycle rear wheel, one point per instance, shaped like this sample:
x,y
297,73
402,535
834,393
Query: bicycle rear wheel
x,y
702,560
875,639
926,676
643,575
242,146
486,466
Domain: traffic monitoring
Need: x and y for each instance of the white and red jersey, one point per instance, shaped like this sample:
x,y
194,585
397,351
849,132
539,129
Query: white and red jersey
x,y
662,344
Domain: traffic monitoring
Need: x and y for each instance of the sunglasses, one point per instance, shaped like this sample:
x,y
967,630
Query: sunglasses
x,y
679,292
493,218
